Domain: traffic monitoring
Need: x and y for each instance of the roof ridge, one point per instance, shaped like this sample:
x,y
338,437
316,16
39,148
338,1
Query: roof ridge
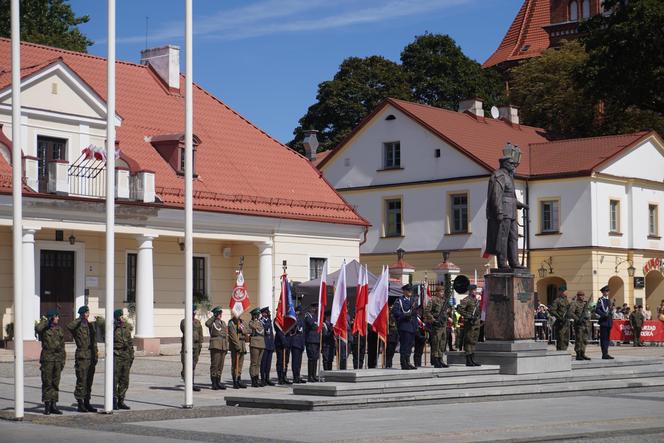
x,y
527,16
594,137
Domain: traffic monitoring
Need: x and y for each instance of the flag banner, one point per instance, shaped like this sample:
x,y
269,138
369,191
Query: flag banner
x,y
239,298
652,330
361,299
322,299
377,305
285,318
340,306
97,153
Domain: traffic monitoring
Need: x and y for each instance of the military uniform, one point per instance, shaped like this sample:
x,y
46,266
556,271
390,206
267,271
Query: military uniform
x,y
636,320
197,345
237,343
312,341
297,341
579,313
560,311
256,347
404,310
218,347
51,360
420,342
123,357
435,315
282,346
358,355
85,359
329,345
604,313
470,312
266,361
392,340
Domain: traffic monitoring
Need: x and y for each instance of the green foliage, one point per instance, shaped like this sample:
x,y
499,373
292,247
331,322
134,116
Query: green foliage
x,y
47,22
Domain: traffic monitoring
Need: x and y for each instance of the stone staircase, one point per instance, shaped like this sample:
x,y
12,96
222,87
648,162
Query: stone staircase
x,y
458,384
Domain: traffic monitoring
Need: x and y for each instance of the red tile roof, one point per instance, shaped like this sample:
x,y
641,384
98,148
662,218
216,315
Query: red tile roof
x,y
526,36
235,158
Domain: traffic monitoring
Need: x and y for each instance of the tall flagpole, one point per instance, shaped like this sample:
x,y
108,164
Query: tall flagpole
x,y
110,210
188,211
17,201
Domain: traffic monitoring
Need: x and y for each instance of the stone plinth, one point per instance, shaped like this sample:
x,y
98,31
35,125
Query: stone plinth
x,y
510,309
148,346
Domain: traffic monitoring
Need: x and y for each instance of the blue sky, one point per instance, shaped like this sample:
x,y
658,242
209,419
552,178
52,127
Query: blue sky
x,y
265,58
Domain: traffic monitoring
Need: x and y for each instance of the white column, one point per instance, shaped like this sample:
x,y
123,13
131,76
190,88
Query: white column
x,y
265,277
30,297
145,288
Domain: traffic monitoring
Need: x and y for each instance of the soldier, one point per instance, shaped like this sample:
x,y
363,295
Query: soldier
x,y
123,357
636,320
197,345
404,310
85,359
218,347
297,346
579,313
435,315
420,338
256,347
604,311
237,342
51,360
282,346
266,361
329,343
392,337
312,340
560,309
470,312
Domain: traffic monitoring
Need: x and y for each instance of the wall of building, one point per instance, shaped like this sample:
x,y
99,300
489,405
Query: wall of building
x,y
645,161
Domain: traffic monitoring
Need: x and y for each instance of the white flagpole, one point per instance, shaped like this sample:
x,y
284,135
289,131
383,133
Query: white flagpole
x,y
188,211
17,201
110,210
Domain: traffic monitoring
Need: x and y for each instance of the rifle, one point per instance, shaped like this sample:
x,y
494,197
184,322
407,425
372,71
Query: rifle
x,y
446,304
584,317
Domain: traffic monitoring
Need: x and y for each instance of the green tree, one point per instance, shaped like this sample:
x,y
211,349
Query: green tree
x,y
341,103
441,75
47,22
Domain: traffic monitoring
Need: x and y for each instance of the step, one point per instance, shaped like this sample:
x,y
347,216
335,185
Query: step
x,y
617,362
380,374
309,402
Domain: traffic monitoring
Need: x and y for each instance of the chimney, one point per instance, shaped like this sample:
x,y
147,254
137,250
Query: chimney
x,y
310,143
166,62
510,114
472,106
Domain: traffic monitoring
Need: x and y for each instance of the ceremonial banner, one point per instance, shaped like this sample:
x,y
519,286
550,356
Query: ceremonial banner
x,y
340,306
322,299
239,298
360,321
377,306
653,330
285,318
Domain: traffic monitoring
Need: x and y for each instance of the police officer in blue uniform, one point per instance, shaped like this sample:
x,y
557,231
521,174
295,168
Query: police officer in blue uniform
x,y
297,345
266,361
312,338
604,311
405,314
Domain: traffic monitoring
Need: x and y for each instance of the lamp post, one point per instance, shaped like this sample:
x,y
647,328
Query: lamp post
x,y
444,271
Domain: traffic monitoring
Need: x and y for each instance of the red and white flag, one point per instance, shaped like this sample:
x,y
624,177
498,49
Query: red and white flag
x,y
361,299
377,306
322,298
239,298
340,306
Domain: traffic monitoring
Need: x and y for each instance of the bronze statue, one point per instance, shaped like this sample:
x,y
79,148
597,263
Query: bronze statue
x,y
502,233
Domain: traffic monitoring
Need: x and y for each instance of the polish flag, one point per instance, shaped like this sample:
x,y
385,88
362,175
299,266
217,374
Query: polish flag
x,y
340,306
322,298
360,322
377,306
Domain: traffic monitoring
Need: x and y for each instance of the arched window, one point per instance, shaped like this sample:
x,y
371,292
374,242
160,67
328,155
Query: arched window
x,y
585,9
573,11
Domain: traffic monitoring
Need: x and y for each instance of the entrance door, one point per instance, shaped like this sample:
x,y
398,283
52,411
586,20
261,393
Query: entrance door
x,y
48,149
56,288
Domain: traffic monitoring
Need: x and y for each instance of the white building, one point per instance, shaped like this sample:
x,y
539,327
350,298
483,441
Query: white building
x,y
419,175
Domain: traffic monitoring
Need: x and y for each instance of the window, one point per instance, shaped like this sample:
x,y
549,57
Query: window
x,y
392,155
193,161
459,212
573,11
653,221
614,215
132,260
550,216
316,267
393,226
48,149
200,280
585,9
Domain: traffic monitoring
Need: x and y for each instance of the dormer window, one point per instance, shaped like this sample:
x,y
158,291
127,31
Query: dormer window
x,y
193,161
171,148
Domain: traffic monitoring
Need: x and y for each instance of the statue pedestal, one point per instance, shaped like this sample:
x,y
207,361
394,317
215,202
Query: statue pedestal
x,y
509,329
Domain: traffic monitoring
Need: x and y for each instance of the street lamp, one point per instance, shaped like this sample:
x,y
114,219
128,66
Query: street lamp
x,y
631,270
444,271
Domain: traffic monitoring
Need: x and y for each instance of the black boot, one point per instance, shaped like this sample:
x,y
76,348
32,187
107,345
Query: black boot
x,y
434,362
235,385
47,408
194,387
115,404
287,381
88,406
254,381
280,380
81,407
585,357
267,381
472,359
54,408
578,356
122,405
310,374
442,363
468,361
215,386
240,383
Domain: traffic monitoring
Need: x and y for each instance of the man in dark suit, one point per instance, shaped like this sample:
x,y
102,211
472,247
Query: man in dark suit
x,y
405,314
268,333
297,346
282,346
604,312
312,339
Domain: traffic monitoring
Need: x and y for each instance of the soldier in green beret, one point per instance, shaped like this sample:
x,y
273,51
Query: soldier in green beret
x,y
123,357
435,315
197,345
470,310
560,310
218,347
636,320
85,358
581,316
237,339
52,359
256,347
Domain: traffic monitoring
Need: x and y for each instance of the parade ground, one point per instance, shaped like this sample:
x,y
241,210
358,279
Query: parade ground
x,y
156,393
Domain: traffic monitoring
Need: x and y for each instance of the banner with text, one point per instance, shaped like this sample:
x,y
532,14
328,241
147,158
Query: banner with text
x,y
653,330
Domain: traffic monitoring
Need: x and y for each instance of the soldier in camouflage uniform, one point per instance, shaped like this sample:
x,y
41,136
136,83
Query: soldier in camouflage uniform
x,y
435,315
392,339
52,359
256,347
123,357
636,320
581,316
560,309
86,358
218,347
237,342
470,311
197,345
